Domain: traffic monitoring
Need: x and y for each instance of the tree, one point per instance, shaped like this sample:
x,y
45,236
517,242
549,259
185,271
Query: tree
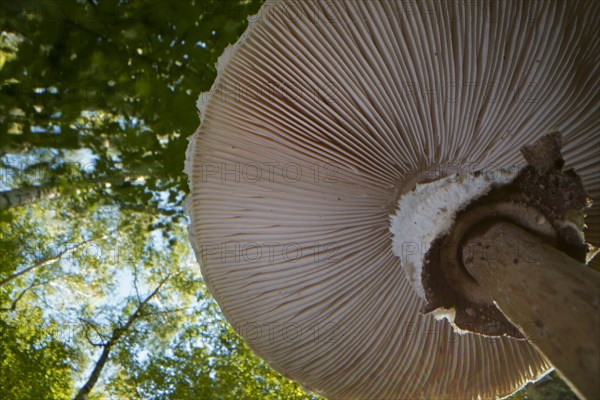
x,y
205,359
108,343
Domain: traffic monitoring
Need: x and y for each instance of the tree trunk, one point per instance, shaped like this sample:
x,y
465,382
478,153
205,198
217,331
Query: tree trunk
x,y
115,337
553,299
28,195
91,382
23,196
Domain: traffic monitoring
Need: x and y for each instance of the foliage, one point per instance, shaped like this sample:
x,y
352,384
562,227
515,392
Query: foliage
x,y
34,364
116,78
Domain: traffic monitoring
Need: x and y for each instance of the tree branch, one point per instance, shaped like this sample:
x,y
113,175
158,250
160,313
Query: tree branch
x,y
54,259
116,335
13,305
89,324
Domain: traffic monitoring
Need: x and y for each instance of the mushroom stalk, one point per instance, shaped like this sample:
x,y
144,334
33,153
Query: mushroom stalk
x,y
551,297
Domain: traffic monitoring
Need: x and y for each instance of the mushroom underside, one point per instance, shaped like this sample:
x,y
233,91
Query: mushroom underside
x,y
542,198
321,117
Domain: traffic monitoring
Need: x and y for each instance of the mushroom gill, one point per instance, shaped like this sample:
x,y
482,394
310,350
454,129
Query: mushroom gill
x,y
321,116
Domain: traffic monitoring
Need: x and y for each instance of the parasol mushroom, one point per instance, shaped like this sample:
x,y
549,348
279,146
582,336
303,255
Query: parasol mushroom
x,y
322,118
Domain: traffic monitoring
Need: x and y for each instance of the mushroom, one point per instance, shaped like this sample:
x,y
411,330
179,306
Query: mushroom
x,y
322,118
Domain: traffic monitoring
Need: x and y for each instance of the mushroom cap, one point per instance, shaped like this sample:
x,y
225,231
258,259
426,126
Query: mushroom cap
x,y
321,116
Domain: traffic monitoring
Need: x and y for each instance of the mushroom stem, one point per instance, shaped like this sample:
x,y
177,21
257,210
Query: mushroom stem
x,y
552,298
